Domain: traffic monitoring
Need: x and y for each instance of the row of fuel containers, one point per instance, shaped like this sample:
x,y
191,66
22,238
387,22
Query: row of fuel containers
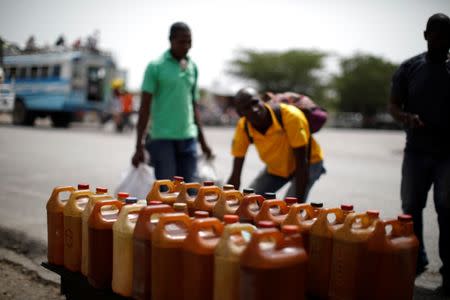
x,y
176,246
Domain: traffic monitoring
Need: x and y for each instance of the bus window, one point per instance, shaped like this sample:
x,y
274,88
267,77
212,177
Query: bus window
x,y
56,71
44,72
22,72
34,72
95,84
12,73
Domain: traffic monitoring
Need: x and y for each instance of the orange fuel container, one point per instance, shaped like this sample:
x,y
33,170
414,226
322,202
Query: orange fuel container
x,y
198,258
55,225
72,229
100,252
272,210
84,229
321,249
142,239
272,270
227,204
249,207
169,196
207,198
167,256
349,251
390,264
302,215
184,197
232,243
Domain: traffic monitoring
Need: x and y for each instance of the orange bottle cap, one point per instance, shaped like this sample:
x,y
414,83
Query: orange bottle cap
x,y
270,196
227,187
179,206
155,202
266,224
290,229
122,195
208,183
101,190
373,213
317,204
199,214
347,207
290,200
405,218
83,186
230,219
178,178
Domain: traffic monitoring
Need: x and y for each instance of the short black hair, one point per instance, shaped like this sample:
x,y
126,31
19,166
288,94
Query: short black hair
x,y
438,22
177,27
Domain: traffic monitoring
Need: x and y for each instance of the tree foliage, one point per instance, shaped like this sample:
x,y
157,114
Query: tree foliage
x,y
294,70
363,84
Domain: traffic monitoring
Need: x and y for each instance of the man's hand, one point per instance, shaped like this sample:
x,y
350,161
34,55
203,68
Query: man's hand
x,y
207,151
138,156
412,121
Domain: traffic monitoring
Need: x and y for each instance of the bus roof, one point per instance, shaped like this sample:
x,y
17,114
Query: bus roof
x,y
43,58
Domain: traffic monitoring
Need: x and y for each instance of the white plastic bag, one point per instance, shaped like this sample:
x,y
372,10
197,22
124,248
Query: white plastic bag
x,y
206,170
137,181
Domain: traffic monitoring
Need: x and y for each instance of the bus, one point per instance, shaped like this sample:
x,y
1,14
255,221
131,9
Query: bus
x,y
59,84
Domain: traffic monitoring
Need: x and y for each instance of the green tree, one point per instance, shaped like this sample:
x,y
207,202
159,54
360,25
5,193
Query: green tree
x,y
293,70
363,85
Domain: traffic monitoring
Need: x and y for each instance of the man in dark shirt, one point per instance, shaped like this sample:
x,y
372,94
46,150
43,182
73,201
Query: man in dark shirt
x,y
420,99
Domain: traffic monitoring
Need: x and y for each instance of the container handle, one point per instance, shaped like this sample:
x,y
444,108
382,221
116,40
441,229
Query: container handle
x,y
203,191
260,234
155,191
201,224
271,203
295,210
96,212
75,195
60,189
171,217
230,194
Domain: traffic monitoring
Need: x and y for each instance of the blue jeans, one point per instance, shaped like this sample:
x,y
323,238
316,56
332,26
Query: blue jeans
x,y
174,158
419,173
266,182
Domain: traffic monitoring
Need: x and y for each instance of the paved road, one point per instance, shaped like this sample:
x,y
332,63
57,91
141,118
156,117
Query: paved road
x,y
363,168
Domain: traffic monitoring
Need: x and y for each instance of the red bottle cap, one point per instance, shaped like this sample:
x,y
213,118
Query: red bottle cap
x,y
290,200
155,202
122,195
178,178
405,218
266,224
228,187
347,207
373,213
83,186
230,219
101,190
200,214
208,183
290,229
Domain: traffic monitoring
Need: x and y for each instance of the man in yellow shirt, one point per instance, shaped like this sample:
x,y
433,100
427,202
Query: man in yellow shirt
x,y
283,147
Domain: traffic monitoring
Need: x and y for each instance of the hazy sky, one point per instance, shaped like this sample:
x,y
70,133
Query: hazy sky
x,y
137,31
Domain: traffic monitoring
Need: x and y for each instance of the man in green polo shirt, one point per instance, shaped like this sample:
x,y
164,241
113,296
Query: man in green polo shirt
x,y
169,94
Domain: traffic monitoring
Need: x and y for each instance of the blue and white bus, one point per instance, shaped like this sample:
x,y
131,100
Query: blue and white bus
x,y
58,84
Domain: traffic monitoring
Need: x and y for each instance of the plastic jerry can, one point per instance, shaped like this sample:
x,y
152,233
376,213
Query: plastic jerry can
x,y
275,270
198,258
142,256
55,225
249,207
232,243
207,198
349,251
302,215
167,256
184,197
172,190
227,204
100,234
272,210
321,249
72,229
390,264
84,229
123,228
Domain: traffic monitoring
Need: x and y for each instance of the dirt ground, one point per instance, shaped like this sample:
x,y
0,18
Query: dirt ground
x,y
18,283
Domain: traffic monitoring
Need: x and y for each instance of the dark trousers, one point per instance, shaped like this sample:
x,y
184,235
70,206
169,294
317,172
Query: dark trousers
x,y
419,173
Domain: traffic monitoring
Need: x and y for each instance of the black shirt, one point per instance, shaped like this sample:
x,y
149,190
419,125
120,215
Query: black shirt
x,y
424,89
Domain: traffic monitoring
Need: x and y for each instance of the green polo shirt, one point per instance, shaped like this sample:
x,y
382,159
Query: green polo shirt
x,y
171,86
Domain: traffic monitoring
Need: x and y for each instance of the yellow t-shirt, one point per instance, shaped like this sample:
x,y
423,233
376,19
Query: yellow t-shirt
x,y
275,146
